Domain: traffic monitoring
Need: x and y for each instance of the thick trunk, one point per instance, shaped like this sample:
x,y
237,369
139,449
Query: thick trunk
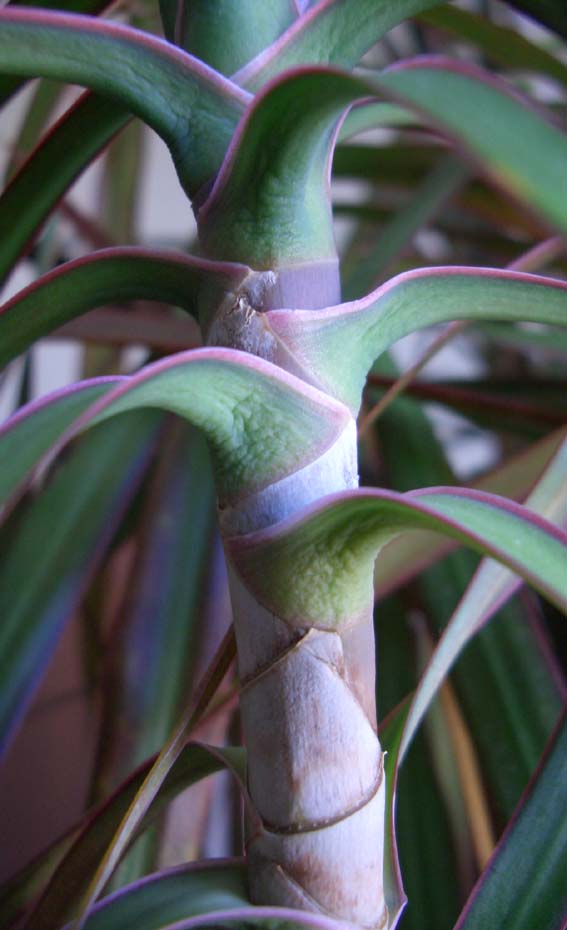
x,y
315,772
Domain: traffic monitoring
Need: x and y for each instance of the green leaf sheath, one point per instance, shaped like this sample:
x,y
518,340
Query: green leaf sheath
x,y
270,206
262,423
108,276
271,199
332,32
192,107
72,143
54,549
524,884
226,35
336,348
317,568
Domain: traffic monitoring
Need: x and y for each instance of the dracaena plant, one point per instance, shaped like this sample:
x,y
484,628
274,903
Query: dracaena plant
x,y
258,102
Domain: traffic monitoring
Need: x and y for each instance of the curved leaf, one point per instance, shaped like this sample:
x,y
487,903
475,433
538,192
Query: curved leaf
x,y
72,143
524,884
261,422
331,32
29,434
192,107
317,568
335,348
269,205
110,275
172,895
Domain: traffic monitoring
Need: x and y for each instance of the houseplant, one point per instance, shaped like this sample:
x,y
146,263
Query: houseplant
x,y
276,390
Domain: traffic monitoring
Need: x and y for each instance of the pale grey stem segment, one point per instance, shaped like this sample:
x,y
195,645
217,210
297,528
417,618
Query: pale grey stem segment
x,y
315,765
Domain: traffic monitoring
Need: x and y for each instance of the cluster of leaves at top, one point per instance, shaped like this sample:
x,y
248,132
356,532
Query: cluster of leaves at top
x,y
252,99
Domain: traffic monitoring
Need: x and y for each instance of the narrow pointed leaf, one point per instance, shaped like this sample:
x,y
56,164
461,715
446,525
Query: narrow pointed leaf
x,y
331,32
167,88
56,545
72,143
261,422
59,901
317,568
38,113
524,884
337,346
107,276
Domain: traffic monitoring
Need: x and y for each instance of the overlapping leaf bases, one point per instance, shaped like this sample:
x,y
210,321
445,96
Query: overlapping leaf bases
x,y
257,103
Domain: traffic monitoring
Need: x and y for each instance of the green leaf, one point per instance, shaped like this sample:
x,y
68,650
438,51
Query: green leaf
x,y
269,206
55,547
227,35
29,434
59,901
172,896
192,107
500,44
550,13
73,142
524,884
317,567
331,32
481,114
336,347
406,556
116,274
261,422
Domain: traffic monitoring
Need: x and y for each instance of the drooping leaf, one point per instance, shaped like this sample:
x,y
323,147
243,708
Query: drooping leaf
x,y
491,586
9,85
406,556
524,884
56,545
336,347
107,276
331,32
171,91
29,434
261,422
272,152
72,143
317,567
